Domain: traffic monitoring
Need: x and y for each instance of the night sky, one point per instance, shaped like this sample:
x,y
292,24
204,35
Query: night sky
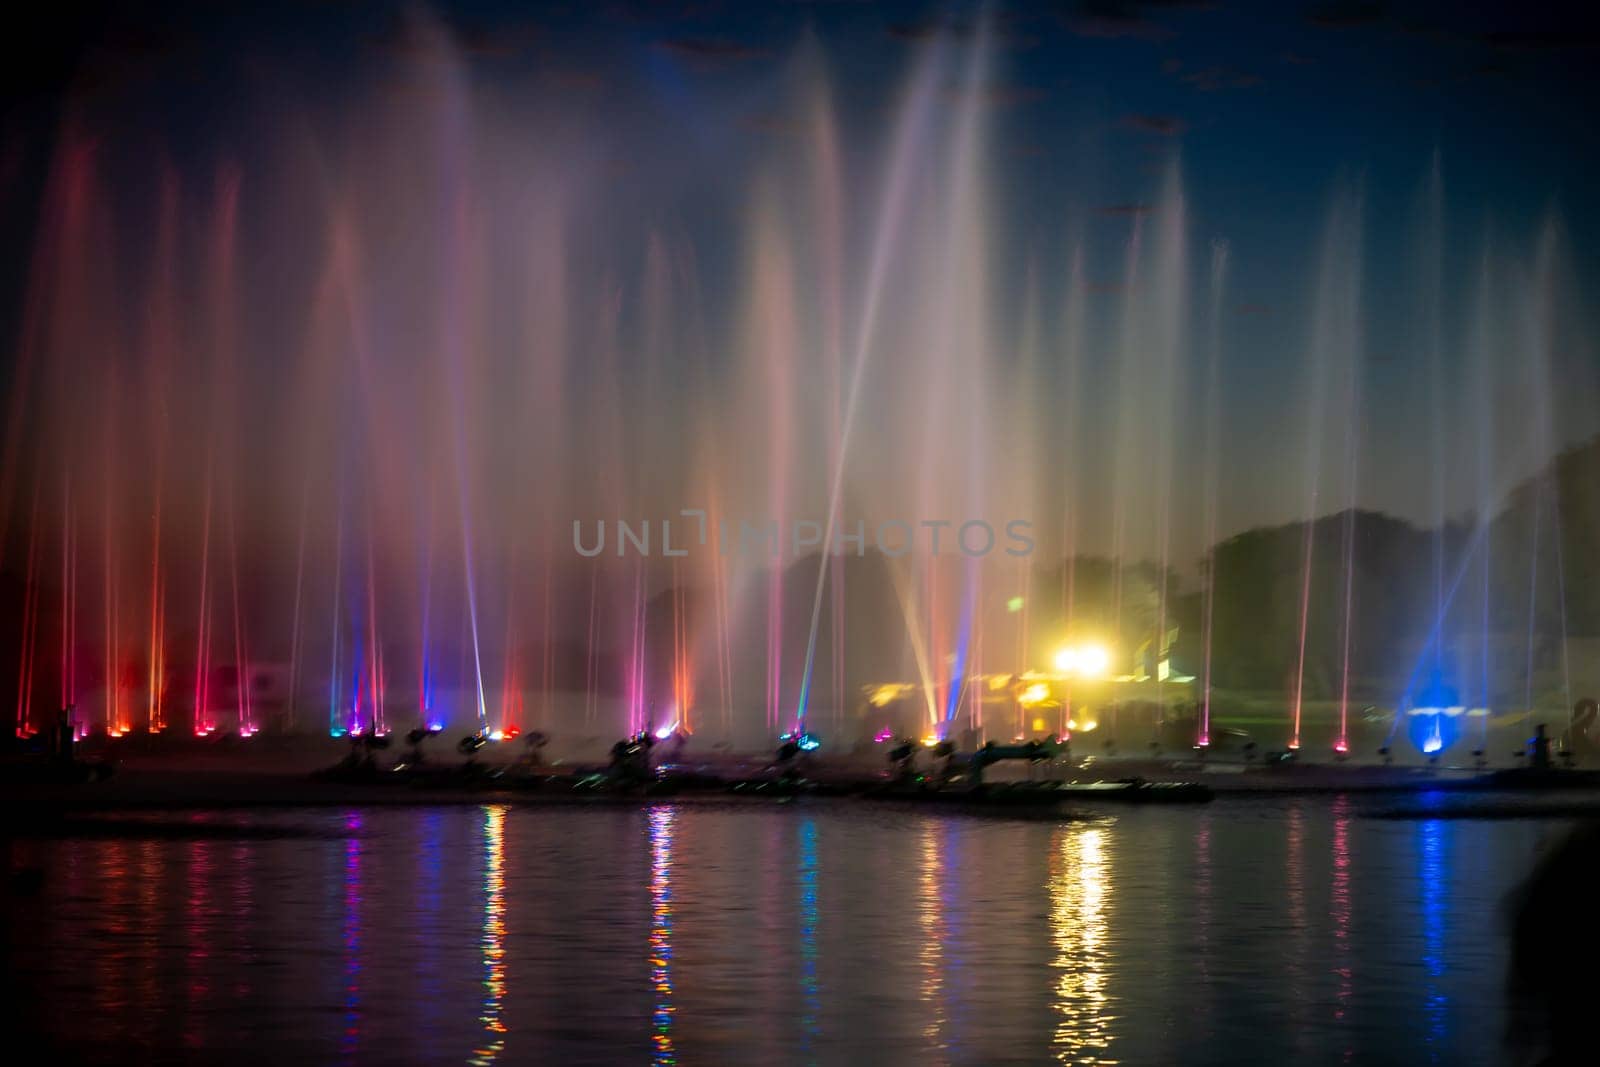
x,y
1268,110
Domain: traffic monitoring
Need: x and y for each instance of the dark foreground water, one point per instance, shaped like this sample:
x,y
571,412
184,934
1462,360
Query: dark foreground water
x,y
1249,930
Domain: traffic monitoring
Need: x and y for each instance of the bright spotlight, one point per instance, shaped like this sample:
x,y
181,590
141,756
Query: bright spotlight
x,y
1093,660
1035,694
1066,660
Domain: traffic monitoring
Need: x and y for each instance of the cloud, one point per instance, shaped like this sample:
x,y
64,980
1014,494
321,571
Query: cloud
x,y
1009,96
1003,32
1164,125
639,12
1344,14
496,42
1126,18
928,29
1539,40
773,125
1210,79
405,37
575,79
713,50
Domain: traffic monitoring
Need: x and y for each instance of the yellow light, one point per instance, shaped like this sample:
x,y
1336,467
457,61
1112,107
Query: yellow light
x,y
884,695
1087,725
1038,726
1093,660
998,682
929,741
1034,695
1066,660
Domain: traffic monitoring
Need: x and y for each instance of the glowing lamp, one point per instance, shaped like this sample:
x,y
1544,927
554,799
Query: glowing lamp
x,y
1065,660
1093,660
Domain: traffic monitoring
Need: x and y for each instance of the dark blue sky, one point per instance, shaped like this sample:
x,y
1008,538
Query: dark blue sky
x,y
1268,107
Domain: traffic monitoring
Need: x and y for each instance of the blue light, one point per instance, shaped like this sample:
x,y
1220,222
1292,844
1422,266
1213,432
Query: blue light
x,y
1434,874
1433,720
809,742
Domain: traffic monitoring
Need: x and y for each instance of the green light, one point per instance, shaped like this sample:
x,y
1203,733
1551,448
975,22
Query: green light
x,y
1014,604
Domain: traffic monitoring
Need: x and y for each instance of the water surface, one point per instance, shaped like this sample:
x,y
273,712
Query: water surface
x,y
1263,930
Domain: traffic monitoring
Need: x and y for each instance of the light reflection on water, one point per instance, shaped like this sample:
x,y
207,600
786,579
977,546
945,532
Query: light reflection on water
x,y
494,937
1339,911
1245,932
353,906
660,821
809,918
1435,903
1080,930
930,920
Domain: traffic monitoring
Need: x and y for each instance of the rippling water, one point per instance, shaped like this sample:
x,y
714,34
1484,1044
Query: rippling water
x,y
1243,930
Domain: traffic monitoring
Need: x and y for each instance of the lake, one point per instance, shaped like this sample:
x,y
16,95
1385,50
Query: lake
x,y
1262,929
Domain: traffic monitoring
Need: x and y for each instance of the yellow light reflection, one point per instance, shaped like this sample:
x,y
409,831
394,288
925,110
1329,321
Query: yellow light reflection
x,y
1080,931
493,940
931,917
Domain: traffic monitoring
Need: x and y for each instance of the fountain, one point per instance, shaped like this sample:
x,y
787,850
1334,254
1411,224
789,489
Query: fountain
x,y
331,421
